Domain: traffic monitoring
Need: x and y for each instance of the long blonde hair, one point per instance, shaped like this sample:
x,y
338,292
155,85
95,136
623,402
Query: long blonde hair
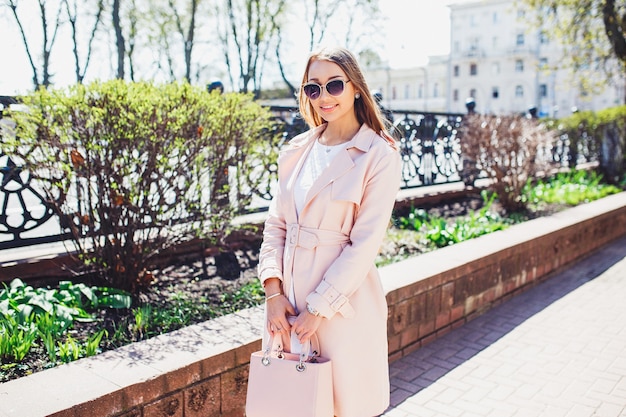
x,y
366,109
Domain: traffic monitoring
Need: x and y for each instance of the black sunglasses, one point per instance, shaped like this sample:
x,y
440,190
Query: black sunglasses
x,y
333,87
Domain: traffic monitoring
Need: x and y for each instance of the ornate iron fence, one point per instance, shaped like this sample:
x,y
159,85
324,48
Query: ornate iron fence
x,y
430,145
23,209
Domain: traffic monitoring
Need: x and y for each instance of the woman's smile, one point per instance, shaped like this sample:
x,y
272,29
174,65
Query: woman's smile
x,y
328,108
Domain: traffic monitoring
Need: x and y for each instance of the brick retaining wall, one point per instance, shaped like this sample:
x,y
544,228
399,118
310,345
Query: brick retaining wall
x,y
432,293
201,370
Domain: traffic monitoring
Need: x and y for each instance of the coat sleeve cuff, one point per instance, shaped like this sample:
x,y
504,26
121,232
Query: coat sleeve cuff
x,y
270,273
328,301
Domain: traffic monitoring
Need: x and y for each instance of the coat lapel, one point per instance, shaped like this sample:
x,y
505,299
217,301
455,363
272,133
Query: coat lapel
x,y
342,163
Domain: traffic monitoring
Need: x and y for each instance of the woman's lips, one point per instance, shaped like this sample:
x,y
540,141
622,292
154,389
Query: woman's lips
x,y
328,108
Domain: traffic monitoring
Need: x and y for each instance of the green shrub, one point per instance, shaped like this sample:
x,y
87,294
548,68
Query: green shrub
x,y
135,168
601,134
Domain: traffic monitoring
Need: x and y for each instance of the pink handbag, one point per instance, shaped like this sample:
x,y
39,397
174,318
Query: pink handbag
x,y
283,384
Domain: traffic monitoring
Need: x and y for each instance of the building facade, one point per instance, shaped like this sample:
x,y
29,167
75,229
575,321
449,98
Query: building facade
x,y
420,88
498,60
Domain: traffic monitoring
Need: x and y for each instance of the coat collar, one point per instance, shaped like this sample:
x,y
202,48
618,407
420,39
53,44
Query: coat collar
x,y
362,140
292,158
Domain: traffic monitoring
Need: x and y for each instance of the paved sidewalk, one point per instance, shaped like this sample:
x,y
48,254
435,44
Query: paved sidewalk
x,y
557,350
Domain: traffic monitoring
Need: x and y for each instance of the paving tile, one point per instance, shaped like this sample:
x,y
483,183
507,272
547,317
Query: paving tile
x,y
556,350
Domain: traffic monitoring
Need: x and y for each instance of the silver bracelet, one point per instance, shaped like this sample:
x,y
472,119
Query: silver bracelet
x,y
273,295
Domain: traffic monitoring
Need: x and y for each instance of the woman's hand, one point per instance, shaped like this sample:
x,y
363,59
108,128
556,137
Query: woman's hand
x,y
306,325
278,308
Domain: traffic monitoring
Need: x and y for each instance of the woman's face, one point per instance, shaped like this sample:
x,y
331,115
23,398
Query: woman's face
x,y
328,106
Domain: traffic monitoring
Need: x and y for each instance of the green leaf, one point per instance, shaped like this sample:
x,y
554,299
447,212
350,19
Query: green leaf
x,y
41,301
115,301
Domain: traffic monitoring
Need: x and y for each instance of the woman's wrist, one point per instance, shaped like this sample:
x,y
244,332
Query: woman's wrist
x,y
274,295
273,288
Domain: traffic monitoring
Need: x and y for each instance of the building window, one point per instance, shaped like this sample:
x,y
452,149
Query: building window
x,y
494,17
495,92
474,45
436,90
407,91
520,39
455,95
456,70
494,42
473,93
420,91
543,90
584,91
495,68
519,65
543,38
473,69
519,91
543,63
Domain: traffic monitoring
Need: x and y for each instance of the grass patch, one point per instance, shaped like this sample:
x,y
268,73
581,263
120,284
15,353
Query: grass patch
x,y
571,188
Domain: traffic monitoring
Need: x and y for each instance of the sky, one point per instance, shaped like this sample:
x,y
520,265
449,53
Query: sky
x,y
414,30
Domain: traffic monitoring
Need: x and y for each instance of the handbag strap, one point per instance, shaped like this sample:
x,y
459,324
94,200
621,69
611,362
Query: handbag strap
x,y
275,345
303,358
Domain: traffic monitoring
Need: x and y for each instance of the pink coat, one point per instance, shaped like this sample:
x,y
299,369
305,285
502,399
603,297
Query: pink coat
x,y
329,252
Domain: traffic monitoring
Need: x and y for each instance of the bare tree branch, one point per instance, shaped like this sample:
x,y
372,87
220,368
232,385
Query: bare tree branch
x,y
187,36
72,14
13,6
47,42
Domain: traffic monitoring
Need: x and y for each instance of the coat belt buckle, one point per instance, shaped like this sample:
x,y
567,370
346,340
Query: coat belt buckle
x,y
294,232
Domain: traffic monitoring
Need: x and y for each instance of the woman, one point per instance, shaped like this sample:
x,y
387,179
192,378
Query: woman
x,y
337,185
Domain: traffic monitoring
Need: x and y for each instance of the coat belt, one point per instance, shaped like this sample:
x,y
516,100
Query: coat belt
x,y
310,238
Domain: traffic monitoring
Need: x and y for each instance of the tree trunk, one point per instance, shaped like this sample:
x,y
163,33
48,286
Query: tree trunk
x,y
614,27
119,37
190,39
